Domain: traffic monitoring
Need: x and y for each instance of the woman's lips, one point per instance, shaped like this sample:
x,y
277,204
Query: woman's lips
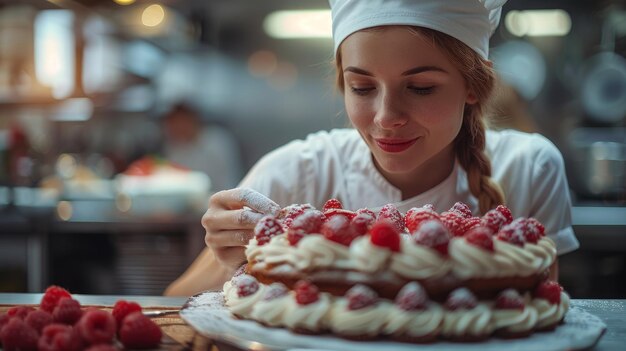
x,y
395,145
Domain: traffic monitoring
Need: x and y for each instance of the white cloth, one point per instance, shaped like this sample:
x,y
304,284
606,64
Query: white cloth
x,y
471,21
338,164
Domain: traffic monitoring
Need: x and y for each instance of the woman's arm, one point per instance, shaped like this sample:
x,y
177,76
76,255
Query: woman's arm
x,y
205,273
554,270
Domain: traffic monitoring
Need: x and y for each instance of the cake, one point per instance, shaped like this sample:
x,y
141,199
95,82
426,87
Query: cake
x,y
418,277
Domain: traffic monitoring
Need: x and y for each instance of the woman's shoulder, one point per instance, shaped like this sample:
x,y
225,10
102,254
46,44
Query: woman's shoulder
x,y
508,145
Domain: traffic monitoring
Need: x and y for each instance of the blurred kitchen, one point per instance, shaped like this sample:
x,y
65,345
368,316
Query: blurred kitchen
x,y
118,119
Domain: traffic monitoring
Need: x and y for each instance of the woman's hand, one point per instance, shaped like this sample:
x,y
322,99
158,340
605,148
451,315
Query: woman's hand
x,y
230,220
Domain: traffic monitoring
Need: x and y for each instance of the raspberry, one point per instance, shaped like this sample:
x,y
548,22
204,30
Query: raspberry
x,y
360,296
494,220
4,319
52,296
293,211
454,222
512,233
275,290
332,203
412,297
139,332
102,347
549,290
505,212
20,312
67,311
96,326
461,298
429,207
385,234
339,212
390,213
362,222
365,210
17,335
122,308
509,299
306,292
415,216
59,337
481,237
339,230
535,230
38,320
470,223
246,285
307,223
266,228
461,209
433,234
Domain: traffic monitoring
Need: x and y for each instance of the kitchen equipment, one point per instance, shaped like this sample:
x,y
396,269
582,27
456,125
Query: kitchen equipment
x,y
598,160
603,87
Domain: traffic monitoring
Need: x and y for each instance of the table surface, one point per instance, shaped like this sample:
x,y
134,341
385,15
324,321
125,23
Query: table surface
x,y
612,312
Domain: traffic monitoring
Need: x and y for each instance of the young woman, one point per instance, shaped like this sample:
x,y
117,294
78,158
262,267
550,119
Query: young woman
x,y
415,77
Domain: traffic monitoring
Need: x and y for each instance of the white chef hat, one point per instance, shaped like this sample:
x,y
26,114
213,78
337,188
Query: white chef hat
x,y
470,21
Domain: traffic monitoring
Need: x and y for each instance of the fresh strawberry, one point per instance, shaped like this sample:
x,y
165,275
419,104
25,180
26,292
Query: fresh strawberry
x,y
339,212
267,228
390,213
509,299
307,223
339,230
96,326
480,237
385,234
494,220
20,312
505,212
454,222
362,222
306,292
360,296
60,337
412,297
246,285
461,298
122,308
67,311
38,320
512,233
433,234
415,216
17,335
461,209
549,290
52,296
139,332
275,290
332,203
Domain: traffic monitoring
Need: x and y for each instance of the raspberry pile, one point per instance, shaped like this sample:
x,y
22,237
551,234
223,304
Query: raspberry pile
x,y
62,324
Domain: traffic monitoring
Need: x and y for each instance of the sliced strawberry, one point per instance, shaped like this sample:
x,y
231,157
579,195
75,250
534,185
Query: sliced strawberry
x,y
461,209
509,299
415,216
332,203
412,297
433,234
461,298
480,237
549,290
267,228
360,296
390,213
385,234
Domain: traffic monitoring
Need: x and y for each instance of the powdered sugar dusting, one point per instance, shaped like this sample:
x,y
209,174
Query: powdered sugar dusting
x,y
258,202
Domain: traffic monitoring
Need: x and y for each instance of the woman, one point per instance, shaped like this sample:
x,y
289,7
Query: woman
x,y
415,77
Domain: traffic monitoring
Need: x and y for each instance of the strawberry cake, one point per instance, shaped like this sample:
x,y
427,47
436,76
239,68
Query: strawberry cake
x,y
416,277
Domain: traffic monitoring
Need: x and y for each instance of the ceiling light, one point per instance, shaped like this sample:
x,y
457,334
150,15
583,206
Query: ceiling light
x,y
298,24
538,23
153,15
124,2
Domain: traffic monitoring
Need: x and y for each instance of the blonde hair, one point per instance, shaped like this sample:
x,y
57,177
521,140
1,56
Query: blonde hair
x,y
469,144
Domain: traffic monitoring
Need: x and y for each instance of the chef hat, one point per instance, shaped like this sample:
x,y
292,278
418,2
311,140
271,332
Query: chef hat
x,y
470,21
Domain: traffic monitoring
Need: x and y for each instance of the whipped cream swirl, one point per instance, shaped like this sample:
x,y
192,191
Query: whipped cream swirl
x,y
418,262
310,317
366,321
367,256
271,312
475,322
550,314
515,320
414,323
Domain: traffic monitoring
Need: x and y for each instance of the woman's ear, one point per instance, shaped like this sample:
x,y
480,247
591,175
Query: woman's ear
x,y
471,98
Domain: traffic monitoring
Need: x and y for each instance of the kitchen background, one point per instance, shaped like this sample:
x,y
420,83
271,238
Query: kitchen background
x,y
103,103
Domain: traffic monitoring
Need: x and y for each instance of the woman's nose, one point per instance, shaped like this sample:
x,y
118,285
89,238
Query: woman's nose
x,y
391,112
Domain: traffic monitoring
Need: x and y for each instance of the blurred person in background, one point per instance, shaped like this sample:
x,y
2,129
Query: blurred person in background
x,y
206,147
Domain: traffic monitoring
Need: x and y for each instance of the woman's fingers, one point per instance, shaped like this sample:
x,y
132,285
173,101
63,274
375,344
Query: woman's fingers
x,y
228,238
234,219
239,197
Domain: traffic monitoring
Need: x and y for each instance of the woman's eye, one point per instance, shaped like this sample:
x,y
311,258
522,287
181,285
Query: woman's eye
x,y
360,91
422,90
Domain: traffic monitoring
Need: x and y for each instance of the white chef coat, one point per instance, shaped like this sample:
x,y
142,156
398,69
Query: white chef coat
x,y
338,164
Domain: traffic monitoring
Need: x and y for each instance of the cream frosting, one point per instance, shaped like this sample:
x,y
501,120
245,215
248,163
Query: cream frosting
x,y
526,263
271,312
544,249
419,262
515,320
476,322
414,323
367,256
242,306
365,321
550,314
315,251
310,317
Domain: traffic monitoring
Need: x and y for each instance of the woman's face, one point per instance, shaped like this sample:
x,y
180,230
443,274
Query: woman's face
x,y
405,98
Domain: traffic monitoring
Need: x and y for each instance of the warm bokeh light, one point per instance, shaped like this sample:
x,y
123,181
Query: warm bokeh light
x,y
153,15
125,2
66,166
298,24
538,23
65,210
262,63
123,202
